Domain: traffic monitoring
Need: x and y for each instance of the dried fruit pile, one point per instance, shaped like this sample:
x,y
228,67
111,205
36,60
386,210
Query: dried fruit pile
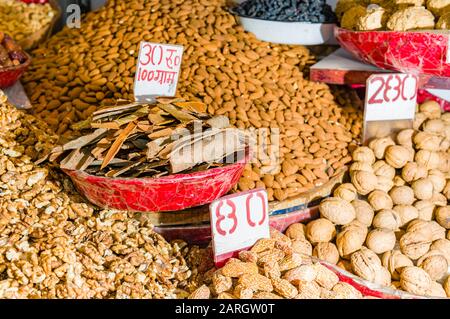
x,y
397,233
151,140
274,268
253,83
10,53
54,245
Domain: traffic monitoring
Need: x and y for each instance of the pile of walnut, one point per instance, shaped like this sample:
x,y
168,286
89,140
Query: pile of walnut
x,y
272,269
397,15
53,245
397,232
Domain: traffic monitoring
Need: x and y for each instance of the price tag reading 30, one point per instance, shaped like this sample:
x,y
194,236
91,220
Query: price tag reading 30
x,y
237,222
157,70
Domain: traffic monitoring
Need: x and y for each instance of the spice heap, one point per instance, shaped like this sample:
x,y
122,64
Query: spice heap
x,y
274,268
253,83
314,11
22,20
370,15
54,245
397,232
10,53
151,140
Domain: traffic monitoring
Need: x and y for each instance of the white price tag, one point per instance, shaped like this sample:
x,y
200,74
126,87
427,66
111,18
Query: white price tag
x,y
237,222
157,70
390,97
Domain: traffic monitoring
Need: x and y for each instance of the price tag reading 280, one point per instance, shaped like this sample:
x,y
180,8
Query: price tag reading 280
x,y
157,70
391,97
237,222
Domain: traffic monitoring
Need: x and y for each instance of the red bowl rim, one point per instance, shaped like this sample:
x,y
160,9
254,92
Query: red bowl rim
x,y
19,67
165,179
431,31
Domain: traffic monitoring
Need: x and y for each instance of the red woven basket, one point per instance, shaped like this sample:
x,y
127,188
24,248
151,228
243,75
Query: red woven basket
x,y
11,74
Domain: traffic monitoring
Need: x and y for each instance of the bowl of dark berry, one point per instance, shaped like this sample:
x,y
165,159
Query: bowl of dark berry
x,y
305,22
13,61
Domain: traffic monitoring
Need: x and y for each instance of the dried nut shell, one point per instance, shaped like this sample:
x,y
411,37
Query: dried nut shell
x,y
303,273
345,191
201,292
326,278
443,216
344,290
397,156
435,264
382,277
302,246
364,182
428,159
436,126
296,231
365,263
423,188
427,141
406,213
419,119
327,252
348,241
337,210
381,168
415,244
415,280
308,290
345,264
398,181
425,209
438,199
405,137
446,190
442,245
431,109
384,184
437,178
394,261
380,240
402,195
437,231
419,225
361,166
380,200
447,286
387,219
363,154
436,290
364,212
413,171
356,225
320,230
396,285
379,145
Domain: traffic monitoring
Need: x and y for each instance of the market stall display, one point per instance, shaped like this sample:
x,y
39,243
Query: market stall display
x,y
13,61
55,245
28,23
254,84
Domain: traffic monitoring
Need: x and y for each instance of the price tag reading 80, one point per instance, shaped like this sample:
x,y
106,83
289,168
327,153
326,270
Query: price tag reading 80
x,y
391,97
237,222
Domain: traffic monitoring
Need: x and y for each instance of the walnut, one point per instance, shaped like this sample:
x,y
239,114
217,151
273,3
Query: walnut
x,y
345,265
296,231
364,182
397,156
345,191
326,251
380,200
431,109
382,277
419,225
405,137
337,210
443,216
364,212
434,263
381,168
415,280
320,230
350,17
436,126
380,240
398,181
423,188
415,244
406,213
437,178
303,273
447,286
402,195
419,119
365,263
384,184
387,219
437,231
446,190
379,146
302,246
438,199
442,245
425,209
363,154
411,18
361,166
436,290
428,159
394,261
349,240
413,171
427,141
346,291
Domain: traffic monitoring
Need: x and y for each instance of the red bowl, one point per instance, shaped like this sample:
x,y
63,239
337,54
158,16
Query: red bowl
x,y
408,52
11,74
170,193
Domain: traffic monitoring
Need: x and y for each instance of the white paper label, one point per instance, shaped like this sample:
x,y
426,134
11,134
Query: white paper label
x,y
390,97
157,70
237,222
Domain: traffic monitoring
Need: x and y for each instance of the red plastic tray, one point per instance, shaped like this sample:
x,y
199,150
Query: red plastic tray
x,y
409,52
170,193
10,75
